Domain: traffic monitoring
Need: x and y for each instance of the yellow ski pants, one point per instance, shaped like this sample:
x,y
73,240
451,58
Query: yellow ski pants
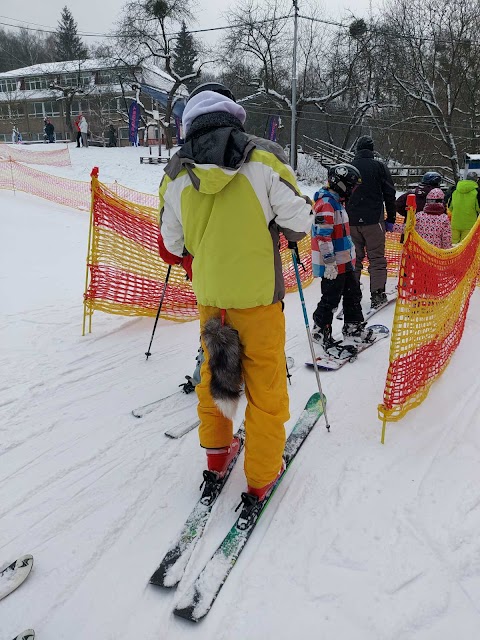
x,y
262,335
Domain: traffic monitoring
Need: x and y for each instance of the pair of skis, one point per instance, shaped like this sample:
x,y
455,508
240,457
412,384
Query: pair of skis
x,y
179,401
171,405
12,576
198,599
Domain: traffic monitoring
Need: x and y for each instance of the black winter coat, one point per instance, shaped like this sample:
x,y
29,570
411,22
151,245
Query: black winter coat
x,y
365,205
421,192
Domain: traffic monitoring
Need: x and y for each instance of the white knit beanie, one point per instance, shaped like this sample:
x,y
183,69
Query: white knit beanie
x,y
210,102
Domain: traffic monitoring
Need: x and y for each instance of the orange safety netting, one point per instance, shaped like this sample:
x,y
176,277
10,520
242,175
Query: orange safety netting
x,y
71,193
393,253
54,157
126,276
434,290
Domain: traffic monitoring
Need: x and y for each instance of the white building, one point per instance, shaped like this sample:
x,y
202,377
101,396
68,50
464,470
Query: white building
x,y
101,89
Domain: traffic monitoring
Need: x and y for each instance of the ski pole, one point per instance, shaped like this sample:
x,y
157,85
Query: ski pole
x,y
148,352
309,334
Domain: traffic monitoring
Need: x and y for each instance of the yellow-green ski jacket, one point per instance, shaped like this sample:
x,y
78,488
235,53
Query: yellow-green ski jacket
x,y
229,221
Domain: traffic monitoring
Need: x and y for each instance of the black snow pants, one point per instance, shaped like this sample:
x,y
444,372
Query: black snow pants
x,y
346,285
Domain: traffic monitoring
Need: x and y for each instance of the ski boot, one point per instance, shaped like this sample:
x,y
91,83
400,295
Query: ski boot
x,y
357,332
252,501
188,386
218,462
330,348
379,299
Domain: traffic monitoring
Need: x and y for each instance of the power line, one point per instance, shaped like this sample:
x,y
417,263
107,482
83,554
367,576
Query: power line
x,y
85,34
329,120
370,30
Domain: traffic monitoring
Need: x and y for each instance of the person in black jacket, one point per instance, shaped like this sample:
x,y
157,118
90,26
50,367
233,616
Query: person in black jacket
x,y
430,180
366,213
49,131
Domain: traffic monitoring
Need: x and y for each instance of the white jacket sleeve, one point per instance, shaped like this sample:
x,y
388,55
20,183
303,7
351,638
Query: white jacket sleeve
x,y
293,212
170,217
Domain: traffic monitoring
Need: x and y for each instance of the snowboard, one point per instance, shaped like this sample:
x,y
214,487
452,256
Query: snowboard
x,y
369,312
330,363
12,575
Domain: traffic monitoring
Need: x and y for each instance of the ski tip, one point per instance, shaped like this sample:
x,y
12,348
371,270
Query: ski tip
x,y
158,579
187,613
136,415
28,634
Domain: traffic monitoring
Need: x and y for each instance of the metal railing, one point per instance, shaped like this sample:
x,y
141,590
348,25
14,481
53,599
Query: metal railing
x,y
403,175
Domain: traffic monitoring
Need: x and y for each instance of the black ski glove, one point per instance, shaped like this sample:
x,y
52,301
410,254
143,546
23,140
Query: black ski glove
x,y
294,246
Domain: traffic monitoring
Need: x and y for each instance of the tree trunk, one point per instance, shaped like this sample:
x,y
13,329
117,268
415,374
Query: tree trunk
x,y
68,114
168,137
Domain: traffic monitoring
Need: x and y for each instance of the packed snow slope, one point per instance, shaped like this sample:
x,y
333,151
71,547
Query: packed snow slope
x,y
360,542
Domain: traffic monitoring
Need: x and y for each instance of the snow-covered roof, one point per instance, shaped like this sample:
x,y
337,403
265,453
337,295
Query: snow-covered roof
x,y
156,77
53,94
71,66
91,64
473,156
151,75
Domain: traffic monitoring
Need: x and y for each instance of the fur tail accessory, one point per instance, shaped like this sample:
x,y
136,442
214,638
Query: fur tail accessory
x,y
224,352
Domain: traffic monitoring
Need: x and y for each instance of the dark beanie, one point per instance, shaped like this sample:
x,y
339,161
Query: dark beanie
x,y
365,142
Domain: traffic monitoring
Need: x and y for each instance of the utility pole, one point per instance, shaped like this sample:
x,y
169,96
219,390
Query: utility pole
x,y
293,134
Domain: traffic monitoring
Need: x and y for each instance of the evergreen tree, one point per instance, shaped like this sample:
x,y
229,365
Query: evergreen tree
x,y
68,44
185,56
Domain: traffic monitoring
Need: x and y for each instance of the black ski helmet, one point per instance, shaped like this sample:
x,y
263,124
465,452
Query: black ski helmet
x,y
218,87
433,178
342,178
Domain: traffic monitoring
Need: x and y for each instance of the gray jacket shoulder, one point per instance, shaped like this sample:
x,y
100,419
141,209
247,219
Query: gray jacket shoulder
x,y
272,147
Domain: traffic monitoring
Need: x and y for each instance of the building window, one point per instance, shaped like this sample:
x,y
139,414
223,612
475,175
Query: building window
x,y
51,109
110,76
17,111
36,82
35,109
6,86
110,106
75,79
79,106
11,111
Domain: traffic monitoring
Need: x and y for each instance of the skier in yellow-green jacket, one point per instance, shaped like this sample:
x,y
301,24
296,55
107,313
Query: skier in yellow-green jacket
x,y
224,199
464,206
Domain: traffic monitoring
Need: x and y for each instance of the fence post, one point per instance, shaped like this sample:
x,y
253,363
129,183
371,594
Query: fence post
x,y
93,184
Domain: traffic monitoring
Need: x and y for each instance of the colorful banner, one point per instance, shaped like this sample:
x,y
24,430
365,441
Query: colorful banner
x,y
133,121
272,127
179,127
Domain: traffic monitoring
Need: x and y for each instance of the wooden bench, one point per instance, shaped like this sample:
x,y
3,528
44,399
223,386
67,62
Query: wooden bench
x,y
153,160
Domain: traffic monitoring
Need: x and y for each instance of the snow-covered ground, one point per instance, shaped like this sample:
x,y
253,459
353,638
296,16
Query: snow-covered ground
x,y
361,541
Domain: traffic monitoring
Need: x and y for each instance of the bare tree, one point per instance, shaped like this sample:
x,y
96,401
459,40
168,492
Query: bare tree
x,y
436,65
261,34
146,28
69,91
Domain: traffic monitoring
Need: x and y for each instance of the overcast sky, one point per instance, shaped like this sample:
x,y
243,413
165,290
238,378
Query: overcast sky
x,y
99,16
